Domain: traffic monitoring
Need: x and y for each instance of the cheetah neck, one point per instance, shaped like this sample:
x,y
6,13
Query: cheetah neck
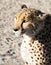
x,y
26,38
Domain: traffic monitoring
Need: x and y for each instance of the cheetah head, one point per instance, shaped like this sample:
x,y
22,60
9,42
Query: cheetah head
x,y
29,21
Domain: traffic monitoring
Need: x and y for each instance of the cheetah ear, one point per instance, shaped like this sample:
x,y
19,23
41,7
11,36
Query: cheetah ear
x,y
38,12
23,6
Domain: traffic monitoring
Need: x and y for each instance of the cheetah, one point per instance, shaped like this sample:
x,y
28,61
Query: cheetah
x,y
35,28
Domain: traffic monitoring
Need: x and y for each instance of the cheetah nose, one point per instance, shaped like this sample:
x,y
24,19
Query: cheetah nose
x,y
15,30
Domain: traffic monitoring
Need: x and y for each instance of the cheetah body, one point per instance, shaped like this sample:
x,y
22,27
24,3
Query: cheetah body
x,y
32,51
36,36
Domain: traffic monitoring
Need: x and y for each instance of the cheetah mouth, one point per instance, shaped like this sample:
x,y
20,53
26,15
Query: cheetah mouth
x,y
29,32
23,31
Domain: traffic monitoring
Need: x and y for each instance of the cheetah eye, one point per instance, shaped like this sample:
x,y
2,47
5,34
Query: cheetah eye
x,y
23,22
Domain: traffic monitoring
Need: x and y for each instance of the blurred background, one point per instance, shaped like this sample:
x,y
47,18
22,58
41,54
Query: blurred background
x,y
9,42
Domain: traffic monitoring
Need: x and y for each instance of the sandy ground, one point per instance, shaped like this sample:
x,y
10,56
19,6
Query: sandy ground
x,y
9,43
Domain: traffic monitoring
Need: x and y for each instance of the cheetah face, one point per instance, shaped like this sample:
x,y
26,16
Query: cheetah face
x,y
29,21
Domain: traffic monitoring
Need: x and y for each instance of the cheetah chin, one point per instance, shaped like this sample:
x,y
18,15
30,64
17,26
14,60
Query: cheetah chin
x,y
35,28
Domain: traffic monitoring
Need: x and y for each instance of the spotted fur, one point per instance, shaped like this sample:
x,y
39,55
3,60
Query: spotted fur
x,y
35,28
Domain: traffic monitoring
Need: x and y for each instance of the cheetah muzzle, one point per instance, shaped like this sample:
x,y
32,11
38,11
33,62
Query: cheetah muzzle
x,y
35,27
